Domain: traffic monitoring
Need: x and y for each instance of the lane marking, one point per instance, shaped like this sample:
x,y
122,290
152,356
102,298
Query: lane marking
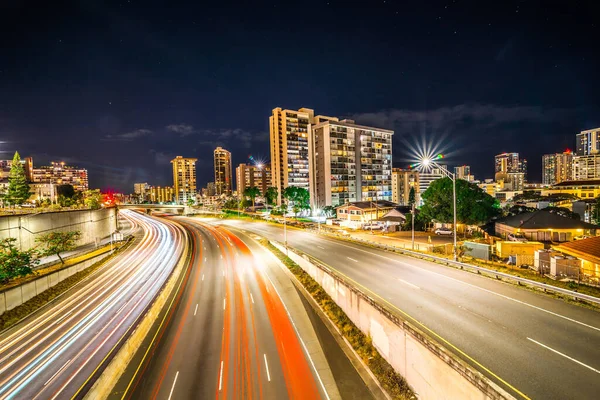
x,y
221,377
57,372
204,259
224,303
196,309
322,248
352,259
267,368
564,355
251,298
173,387
408,283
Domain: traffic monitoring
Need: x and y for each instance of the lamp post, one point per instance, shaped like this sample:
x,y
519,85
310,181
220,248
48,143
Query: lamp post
x,y
427,163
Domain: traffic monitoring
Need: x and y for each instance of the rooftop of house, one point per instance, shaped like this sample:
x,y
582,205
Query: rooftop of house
x,y
543,219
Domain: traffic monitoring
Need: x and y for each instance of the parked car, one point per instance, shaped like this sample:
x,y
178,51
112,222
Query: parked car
x,y
516,237
443,232
581,237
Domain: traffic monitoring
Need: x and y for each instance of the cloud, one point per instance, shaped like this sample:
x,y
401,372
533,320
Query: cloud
x,y
182,129
227,137
161,157
129,136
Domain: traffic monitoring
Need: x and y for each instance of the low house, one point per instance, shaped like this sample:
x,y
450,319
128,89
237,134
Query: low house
x,y
588,252
355,215
544,226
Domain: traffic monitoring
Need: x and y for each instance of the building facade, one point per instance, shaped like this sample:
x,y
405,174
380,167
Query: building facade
x,y
222,164
506,163
289,136
348,163
588,142
557,168
252,175
403,180
58,173
586,167
428,175
464,172
161,194
184,179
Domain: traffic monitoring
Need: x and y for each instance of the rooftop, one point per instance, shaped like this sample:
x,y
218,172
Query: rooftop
x,y
589,182
350,124
583,247
543,219
370,204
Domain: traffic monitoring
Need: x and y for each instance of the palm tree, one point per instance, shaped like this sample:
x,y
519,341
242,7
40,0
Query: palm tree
x,y
252,192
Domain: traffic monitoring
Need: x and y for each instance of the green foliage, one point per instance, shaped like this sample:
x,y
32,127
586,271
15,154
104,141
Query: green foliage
x,y
329,211
421,222
271,195
18,188
191,201
15,263
92,199
596,211
298,197
58,242
473,205
412,197
252,192
563,212
230,204
68,191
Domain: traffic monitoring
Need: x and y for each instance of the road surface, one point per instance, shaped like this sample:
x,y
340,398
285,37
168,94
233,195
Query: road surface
x,y
226,335
532,345
52,353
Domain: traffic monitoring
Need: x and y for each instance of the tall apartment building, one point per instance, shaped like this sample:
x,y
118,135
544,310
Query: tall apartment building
x,y
161,194
349,162
58,173
464,172
289,135
506,163
140,188
184,179
557,168
223,181
403,180
252,175
588,142
586,167
428,175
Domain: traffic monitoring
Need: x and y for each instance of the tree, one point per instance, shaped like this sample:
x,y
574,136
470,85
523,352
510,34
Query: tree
x,y
412,197
58,242
191,201
231,204
18,188
252,192
271,195
329,211
596,211
15,263
92,199
420,222
473,205
68,191
299,197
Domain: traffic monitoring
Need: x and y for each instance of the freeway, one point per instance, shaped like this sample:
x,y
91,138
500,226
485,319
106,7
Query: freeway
x,y
56,351
227,333
532,345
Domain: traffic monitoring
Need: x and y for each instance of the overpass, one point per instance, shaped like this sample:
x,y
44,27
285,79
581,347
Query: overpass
x,y
148,208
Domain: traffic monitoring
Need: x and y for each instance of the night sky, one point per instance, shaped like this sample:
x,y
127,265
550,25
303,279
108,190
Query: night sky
x,y
123,87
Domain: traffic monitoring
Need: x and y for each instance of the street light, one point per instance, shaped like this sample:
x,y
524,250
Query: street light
x,y
428,162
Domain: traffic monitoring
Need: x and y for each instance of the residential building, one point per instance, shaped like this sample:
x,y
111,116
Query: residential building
x,y
27,166
223,180
557,168
356,214
491,187
584,189
210,190
141,190
349,162
289,135
403,180
509,163
161,194
464,172
544,226
58,173
430,174
515,181
588,142
587,252
184,179
586,167
252,175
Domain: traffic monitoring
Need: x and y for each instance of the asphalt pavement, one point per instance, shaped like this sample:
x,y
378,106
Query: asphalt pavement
x,y
532,345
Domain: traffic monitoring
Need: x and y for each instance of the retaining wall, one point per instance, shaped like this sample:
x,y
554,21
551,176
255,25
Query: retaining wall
x,y
431,370
93,224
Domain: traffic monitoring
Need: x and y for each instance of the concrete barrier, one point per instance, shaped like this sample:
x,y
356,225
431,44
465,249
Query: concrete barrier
x,y
93,224
102,388
432,371
15,296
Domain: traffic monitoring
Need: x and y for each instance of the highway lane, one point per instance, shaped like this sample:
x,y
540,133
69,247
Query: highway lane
x,y
52,353
228,334
532,345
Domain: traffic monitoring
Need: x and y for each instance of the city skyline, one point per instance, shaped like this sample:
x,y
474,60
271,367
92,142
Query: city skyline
x,y
481,81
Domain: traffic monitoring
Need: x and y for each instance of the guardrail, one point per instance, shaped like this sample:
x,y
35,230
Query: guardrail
x,y
497,274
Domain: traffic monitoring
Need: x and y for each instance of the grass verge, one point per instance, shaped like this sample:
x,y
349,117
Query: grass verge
x,y
395,385
11,317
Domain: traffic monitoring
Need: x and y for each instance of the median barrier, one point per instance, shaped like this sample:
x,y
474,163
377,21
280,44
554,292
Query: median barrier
x,y
430,369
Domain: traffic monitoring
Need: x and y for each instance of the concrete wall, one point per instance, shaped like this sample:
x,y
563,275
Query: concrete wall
x,y
431,370
93,224
18,295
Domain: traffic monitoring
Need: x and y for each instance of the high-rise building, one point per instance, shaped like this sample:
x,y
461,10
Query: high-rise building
x,y
184,179
557,168
430,174
252,175
515,181
161,194
464,172
403,180
509,163
586,167
588,142
289,134
349,162
27,166
58,173
140,188
223,181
